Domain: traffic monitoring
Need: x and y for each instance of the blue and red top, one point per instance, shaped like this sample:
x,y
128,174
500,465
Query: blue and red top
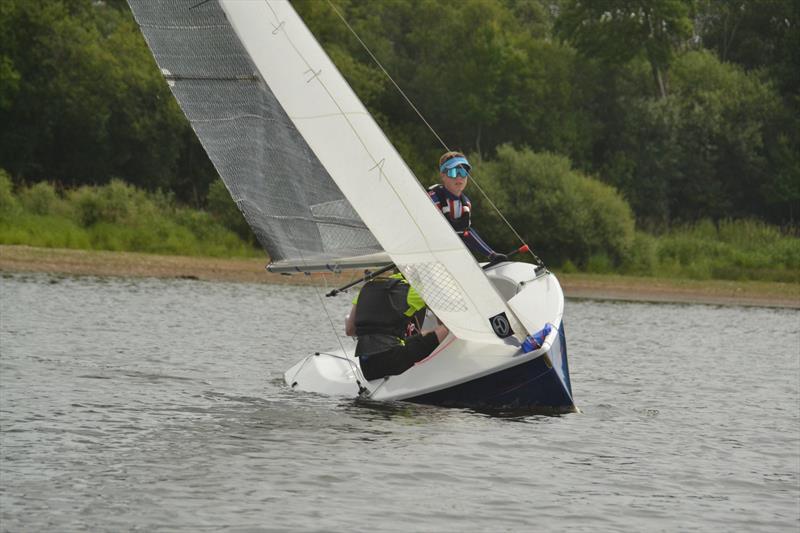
x,y
457,210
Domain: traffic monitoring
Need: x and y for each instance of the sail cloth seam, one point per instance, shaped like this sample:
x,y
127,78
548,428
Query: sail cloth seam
x,y
235,117
186,27
333,222
422,117
316,76
329,115
196,77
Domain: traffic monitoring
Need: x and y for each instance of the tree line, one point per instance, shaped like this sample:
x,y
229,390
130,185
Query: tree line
x,y
684,109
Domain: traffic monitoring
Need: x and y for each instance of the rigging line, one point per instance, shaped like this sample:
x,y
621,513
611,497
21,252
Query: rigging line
x,y
358,136
420,115
353,366
327,314
282,29
502,217
346,118
330,319
199,4
407,99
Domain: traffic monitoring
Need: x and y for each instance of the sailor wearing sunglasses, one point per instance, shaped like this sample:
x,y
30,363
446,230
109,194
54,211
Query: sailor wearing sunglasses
x,y
449,197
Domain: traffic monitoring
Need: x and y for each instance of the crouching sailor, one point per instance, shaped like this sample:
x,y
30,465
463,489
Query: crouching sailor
x,y
386,317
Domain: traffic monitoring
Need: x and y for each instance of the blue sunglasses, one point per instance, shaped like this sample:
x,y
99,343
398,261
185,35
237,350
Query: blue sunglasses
x,y
457,172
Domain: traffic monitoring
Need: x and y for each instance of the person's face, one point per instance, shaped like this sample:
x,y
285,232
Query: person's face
x,y
454,185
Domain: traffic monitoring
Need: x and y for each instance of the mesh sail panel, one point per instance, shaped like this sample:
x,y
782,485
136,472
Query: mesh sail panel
x,y
290,201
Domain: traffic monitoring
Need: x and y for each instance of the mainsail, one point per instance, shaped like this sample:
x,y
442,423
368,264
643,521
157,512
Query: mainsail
x,y
312,172
296,211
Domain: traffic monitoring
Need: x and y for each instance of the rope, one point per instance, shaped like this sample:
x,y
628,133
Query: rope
x,y
407,99
432,130
335,332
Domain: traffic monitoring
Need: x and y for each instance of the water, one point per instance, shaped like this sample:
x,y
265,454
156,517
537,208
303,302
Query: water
x,y
151,405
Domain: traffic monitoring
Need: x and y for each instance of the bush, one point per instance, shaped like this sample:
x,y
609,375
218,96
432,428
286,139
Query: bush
x,y
563,214
42,199
49,231
735,249
9,205
643,257
116,203
599,264
117,217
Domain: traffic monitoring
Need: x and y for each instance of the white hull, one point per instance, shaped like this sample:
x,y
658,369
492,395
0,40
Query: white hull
x,y
466,366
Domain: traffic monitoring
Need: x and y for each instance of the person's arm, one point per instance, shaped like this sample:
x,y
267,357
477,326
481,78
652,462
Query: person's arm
x,y
350,323
473,240
434,196
416,303
478,245
440,330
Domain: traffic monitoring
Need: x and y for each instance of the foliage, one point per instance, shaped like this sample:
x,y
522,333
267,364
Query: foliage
x,y
617,31
689,108
9,205
704,150
116,216
42,199
757,34
82,99
732,249
561,213
477,82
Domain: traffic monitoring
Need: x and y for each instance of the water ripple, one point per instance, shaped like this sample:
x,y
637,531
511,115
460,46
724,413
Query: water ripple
x,y
159,405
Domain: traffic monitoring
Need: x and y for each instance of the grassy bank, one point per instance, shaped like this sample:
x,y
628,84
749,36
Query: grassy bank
x,y
727,250
114,217
251,270
119,217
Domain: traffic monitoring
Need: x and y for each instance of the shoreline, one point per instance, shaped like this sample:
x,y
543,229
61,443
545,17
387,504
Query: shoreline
x,y
59,261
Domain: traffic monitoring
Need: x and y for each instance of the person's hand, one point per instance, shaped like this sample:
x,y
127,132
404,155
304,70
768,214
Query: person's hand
x,y
497,258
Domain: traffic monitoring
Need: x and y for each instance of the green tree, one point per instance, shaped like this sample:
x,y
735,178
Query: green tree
x,y
757,34
762,36
615,31
82,100
482,73
702,151
563,214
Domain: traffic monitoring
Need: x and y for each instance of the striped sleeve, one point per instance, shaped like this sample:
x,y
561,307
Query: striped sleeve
x,y
434,195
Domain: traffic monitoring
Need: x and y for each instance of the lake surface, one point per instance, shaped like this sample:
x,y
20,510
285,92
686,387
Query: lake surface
x,y
153,405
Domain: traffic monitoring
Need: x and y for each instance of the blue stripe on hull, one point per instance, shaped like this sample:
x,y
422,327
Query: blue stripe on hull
x,y
534,385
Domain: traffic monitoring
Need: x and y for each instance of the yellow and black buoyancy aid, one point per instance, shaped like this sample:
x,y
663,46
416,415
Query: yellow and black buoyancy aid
x,y
385,310
382,308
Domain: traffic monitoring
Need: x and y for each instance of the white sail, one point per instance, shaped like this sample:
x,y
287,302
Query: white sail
x,y
367,168
323,189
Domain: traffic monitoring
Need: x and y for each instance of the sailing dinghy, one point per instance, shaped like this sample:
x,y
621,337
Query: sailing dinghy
x,y
324,190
